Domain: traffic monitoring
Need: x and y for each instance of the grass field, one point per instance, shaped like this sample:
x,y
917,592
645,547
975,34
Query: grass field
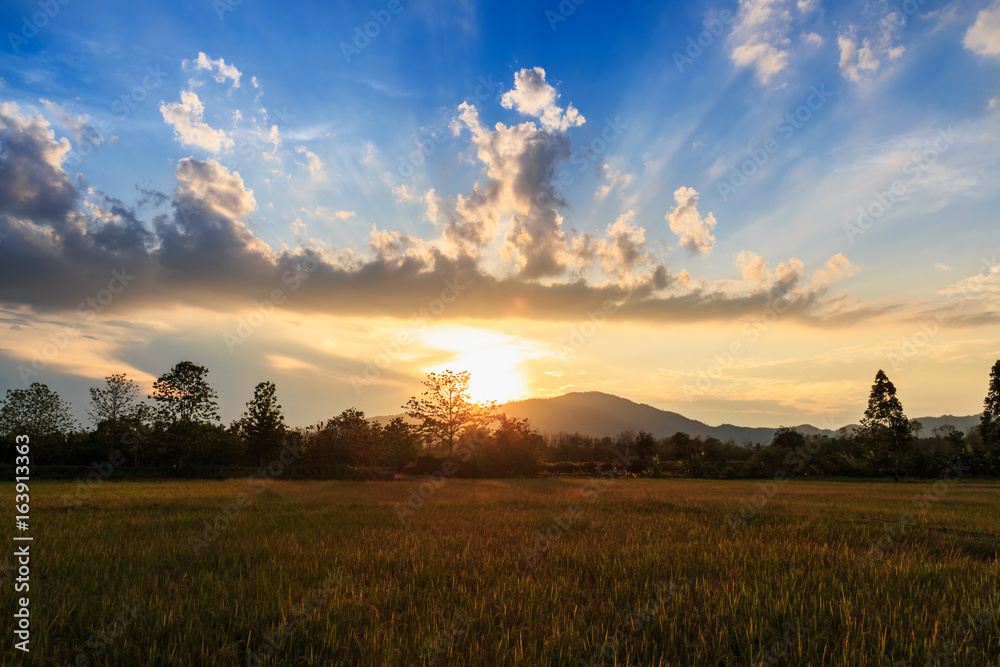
x,y
514,572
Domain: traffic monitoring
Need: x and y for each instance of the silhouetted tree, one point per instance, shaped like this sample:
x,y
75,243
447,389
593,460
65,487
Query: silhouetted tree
x,y
989,425
117,411
884,427
513,450
37,412
402,443
445,408
183,394
262,426
187,407
645,445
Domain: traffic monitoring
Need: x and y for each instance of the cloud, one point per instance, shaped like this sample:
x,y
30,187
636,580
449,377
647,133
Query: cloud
x,y
344,215
624,249
221,70
63,245
836,267
532,96
863,52
316,172
519,163
613,180
79,126
33,183
754,267
693,231
186,119
760,35
983,36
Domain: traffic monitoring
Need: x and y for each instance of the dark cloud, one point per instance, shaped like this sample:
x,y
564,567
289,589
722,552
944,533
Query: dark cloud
x,y
62,248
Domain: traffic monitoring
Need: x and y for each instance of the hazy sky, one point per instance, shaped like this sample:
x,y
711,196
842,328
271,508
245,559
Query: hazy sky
x,y
736,211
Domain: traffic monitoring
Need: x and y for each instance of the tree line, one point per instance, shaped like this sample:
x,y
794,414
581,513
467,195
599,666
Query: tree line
x,y
180,432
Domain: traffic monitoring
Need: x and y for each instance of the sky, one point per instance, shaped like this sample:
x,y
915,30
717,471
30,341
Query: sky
x,y
738,211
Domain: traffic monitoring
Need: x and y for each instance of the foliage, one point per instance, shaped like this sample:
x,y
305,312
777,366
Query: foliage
x,y
989,426
262,426
885,428
445,408
187,408
116,410
512,451
183,394
37,412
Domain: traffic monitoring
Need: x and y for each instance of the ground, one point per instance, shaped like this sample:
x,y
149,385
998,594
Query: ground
x,y
514,572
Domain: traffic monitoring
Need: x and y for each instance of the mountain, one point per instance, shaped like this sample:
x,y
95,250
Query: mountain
x,y
598,414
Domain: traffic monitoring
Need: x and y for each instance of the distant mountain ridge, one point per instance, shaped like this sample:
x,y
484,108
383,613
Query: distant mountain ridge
x,y
597,414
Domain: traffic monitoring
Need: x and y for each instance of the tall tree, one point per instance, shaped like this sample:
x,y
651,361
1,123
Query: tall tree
x,y
884,427
37,412
184,395
187,408
445,408
262,426
116,408
989,424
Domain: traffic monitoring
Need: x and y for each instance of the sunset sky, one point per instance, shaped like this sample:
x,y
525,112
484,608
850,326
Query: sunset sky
x,y
736,211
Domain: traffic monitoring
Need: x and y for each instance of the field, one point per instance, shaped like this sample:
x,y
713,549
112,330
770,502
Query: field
x,y
514,572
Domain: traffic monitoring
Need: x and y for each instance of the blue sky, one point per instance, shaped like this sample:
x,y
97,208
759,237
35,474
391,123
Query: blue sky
x,y
714,157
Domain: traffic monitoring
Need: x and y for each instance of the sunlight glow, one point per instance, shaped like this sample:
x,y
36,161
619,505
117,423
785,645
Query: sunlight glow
x,y
493,359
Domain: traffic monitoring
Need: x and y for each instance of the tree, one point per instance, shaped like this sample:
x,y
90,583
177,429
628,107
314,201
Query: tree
x,y
402,444
116,410
184,394
262,426
512,450
187,406
446,410
916,427
989,424
37,412
884,427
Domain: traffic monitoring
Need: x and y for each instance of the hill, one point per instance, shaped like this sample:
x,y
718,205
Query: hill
x,y
597,414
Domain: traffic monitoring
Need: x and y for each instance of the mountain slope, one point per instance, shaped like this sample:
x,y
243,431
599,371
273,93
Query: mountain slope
x,y
597,414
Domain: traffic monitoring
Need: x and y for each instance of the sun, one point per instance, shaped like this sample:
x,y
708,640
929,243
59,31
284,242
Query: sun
x,y
492,359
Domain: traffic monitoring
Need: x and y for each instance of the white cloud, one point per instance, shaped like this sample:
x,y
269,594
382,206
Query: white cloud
x,y
186,118
625,247
316,172
221,70
693,231
983,36
532,96
836,267
754,267
344,215
613,179
761,34
863,52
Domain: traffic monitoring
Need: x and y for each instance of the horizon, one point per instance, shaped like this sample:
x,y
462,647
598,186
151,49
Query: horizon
x,y
738,213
